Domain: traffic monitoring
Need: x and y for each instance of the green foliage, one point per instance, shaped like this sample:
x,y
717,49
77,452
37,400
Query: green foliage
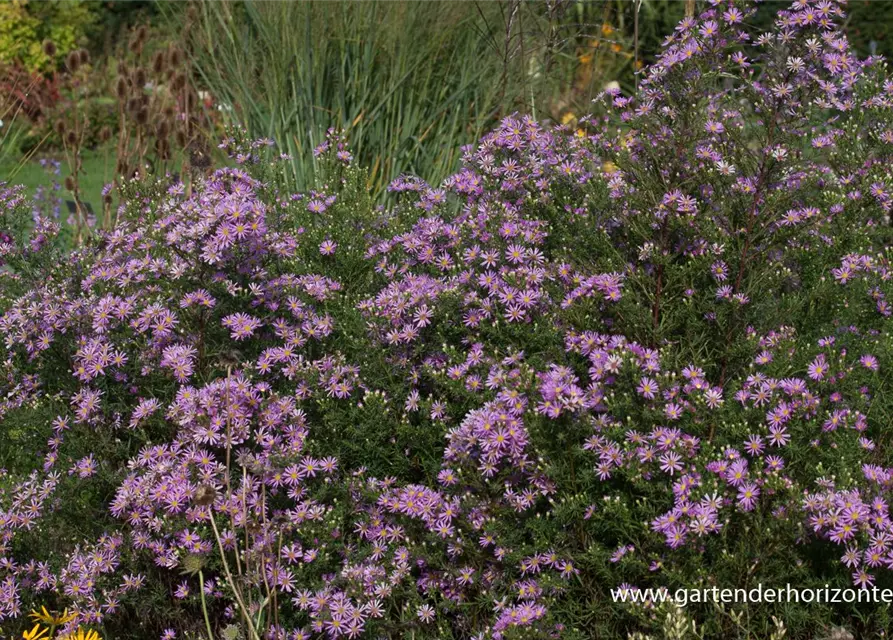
x,y
18,32
11,134
408,82
24,26
869,26
397,78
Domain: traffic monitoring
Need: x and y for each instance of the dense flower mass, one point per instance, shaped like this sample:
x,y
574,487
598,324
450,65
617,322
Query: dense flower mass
x,y
602,357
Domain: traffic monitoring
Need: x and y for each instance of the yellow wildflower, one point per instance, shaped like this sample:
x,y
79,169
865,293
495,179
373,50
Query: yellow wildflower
x,y
627,140
568,117
46,617
37,633
607,29
80,634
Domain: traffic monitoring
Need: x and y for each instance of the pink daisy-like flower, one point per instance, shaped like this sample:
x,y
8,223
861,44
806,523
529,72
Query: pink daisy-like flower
x,y
327,248
425,613
869,362
648,388
747,496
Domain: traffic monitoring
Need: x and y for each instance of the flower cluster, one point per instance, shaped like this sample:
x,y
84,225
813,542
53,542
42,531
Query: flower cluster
x,y
590,357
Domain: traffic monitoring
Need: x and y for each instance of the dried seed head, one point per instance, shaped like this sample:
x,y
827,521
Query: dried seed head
x,y
71,138
162,149
158,63
192,564
179,82
176,57
205,495
169,111
59,127
231,632
142,116
105,134
121,88
69,183
140,77
142,33
73,61
164,129
84,56
49,48
199,159
181,139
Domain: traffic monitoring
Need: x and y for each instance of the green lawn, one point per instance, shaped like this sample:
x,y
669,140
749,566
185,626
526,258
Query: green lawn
x,y
97,169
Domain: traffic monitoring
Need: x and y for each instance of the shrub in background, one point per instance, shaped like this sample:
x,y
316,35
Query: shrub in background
x,y
25,26
156,118
70,24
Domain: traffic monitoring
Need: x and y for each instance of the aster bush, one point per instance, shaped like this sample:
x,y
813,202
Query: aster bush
x,y
648,352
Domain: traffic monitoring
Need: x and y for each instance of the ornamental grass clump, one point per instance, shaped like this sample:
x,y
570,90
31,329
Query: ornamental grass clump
x,y
651,351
